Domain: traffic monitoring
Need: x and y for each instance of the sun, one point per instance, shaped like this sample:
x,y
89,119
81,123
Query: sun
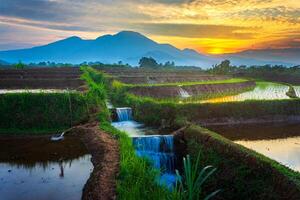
x,y
216,50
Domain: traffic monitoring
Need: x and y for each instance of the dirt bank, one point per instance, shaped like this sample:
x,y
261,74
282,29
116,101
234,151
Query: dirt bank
x,y
105,158
138,75
42,78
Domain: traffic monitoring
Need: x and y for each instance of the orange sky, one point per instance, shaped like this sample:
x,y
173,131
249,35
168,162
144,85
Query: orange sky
x,y
208,26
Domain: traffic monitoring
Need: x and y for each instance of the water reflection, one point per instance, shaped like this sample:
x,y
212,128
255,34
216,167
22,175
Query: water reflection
x,y
297,90
280,141
285,151
36,169
262,91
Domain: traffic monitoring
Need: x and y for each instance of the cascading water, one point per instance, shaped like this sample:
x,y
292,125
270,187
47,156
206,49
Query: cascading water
x,y
124,114
159,149
183,93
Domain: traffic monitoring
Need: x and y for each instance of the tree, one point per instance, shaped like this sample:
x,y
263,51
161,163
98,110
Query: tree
x,y
223,68
19,65
148,62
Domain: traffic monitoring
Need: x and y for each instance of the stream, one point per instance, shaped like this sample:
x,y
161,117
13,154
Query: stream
x,y
158,149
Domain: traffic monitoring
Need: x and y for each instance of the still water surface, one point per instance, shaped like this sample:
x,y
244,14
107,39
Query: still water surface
x,y
280,142
262,91
35,168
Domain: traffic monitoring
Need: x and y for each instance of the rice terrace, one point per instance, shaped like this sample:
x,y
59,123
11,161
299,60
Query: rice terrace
x,y
198,100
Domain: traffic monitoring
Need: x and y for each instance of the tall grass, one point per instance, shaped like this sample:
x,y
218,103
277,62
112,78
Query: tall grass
x,y
136,179
190,184
242,173
44,111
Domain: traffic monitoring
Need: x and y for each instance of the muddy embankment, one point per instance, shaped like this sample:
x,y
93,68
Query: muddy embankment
x,y
193,90
105,158
43,78
81,140
167,78
241,173
244,120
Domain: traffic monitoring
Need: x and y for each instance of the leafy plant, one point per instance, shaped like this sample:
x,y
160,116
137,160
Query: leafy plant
x,y
189,186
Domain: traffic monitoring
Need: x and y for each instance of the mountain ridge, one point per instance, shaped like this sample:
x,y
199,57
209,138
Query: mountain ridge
x,y
129,47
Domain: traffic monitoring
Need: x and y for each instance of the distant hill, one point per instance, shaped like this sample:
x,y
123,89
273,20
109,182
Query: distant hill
x,y
125,46
288,57
2,62
129,47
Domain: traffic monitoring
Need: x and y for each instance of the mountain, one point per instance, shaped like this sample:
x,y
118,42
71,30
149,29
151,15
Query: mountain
x,y
2,62
125,46
287,57
129,47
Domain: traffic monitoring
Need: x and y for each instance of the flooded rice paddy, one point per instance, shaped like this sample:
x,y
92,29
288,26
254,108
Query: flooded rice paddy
x,y
35,91
36,168
262,91
279,141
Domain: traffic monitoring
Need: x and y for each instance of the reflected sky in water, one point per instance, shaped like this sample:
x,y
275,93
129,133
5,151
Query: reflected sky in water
x,y
34,168
262,91
279,141
285,151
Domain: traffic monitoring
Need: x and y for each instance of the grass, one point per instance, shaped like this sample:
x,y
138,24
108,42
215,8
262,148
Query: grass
x,y
136,179
191,183
241,173
41,111
232,80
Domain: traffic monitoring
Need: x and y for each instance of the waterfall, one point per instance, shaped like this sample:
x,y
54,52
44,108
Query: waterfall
x,y
158,149
124,114
183,93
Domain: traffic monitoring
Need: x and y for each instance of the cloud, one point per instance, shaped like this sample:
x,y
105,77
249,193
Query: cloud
x,y
196,30
275,14
42,10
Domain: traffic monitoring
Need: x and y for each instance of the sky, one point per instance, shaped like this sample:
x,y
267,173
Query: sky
x,y
208,26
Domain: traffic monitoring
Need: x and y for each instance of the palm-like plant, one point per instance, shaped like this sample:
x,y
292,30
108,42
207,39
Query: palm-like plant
x,y
189,186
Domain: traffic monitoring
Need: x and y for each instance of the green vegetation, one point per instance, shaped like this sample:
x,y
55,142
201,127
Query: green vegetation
x,y
232,80
277,73
20,65
190,185
137,179
152,112
242,173
41,112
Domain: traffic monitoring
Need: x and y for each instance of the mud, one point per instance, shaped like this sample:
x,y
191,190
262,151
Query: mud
x,y
193,90
136,76
41,78
105,158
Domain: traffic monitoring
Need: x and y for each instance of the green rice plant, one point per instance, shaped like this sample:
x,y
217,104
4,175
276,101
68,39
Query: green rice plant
x,y
231,80
137,178
189,186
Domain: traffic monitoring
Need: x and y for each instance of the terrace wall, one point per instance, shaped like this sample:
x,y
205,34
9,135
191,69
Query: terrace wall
x,y
241,173
41,78
41,112
198,90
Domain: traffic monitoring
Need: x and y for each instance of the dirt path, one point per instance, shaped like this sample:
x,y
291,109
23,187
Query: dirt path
x,y
105,158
